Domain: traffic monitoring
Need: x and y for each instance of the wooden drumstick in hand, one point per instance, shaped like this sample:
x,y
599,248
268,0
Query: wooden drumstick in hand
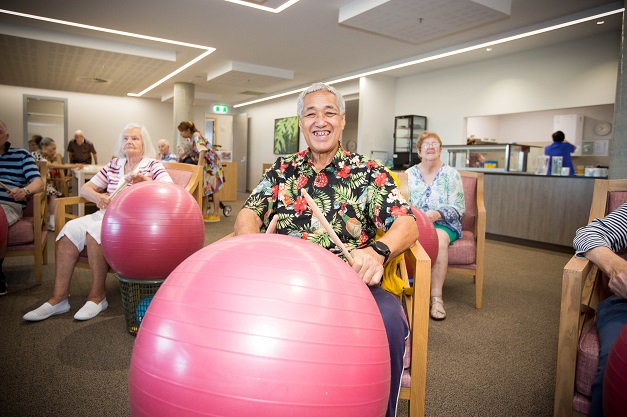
x,y
325,224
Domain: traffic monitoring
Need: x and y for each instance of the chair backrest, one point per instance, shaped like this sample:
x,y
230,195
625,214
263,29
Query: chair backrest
x,y
470,198
607,196
43,171
187,176
473,196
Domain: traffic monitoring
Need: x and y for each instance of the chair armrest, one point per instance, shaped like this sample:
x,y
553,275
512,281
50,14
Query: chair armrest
x,y
578,284
62,215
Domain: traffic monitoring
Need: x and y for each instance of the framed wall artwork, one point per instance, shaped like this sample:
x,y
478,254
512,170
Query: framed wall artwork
x,y
286,134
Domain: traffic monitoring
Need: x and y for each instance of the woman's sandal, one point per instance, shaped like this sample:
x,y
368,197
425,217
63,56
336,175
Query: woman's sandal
x,y
437,309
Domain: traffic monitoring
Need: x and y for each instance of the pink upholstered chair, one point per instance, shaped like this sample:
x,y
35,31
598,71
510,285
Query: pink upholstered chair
x,y
466,255
583,287
29,236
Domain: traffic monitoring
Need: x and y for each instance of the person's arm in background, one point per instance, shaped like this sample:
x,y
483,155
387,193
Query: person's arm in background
x,y
95,156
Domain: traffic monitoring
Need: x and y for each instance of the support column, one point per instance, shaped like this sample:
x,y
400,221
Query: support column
x,y
183,107
618,153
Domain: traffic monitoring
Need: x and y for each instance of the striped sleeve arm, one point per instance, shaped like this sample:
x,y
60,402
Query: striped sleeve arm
x,y
610,231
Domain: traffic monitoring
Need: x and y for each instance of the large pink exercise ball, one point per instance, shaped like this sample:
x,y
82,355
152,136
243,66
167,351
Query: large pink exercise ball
x,y
615,378
261,325
149,228
427,236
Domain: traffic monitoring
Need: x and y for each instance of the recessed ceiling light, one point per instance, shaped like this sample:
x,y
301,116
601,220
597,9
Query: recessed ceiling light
x,y
264,8
600,22
488,49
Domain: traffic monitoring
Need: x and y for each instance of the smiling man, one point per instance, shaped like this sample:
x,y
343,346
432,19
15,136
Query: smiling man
x,y
356,195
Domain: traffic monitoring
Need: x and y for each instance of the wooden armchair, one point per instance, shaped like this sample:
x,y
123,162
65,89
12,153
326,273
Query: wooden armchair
x,y
29,236
583,287
416,301
62,182
187,176
466,255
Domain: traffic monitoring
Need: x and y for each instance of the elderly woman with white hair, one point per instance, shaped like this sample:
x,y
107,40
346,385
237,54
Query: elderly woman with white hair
x,y
134,163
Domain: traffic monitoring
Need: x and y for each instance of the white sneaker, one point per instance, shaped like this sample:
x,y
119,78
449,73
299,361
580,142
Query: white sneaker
x,y
91,310
46,310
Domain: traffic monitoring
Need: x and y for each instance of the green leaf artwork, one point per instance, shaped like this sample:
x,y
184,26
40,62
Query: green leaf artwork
x,y
286,135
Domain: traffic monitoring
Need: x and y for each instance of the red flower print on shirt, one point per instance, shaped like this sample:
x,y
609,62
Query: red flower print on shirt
x,y
300,205
275,191
321,180
371,164
397,211
381,179
343,173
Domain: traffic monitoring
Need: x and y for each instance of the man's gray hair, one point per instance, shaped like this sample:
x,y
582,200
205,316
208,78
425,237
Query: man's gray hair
x,y
320,87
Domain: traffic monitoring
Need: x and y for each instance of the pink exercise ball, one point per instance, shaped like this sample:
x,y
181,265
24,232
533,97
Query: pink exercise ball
x,y
615,378
150,228
261,325
427,236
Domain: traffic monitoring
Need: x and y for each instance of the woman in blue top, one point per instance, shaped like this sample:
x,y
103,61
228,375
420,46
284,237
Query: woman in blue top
x,y
437,189
563,148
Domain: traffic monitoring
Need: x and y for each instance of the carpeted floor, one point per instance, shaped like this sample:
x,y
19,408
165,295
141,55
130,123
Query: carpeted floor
x,y
498,361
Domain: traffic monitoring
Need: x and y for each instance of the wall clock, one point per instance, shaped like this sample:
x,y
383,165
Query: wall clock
x,y
602,128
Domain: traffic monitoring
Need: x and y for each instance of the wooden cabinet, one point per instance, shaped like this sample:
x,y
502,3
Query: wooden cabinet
x,y
229,189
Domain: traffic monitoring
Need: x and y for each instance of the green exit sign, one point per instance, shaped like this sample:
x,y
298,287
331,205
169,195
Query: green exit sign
x,y
220,109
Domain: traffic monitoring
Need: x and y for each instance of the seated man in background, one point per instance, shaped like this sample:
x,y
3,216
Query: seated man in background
x,y
356,195
80,150
20,175
164,151
599,242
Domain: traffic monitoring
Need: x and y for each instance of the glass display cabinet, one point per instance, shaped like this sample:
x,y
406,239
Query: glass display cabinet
x,y
488,158
406,132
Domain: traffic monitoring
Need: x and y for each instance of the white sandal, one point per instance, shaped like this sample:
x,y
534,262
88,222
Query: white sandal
x,y
437,309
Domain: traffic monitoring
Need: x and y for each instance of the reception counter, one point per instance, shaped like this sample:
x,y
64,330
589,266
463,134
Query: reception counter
x,y
547,209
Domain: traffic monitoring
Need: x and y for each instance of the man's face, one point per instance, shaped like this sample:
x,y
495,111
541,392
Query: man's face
x,y
4,135
163,148
321,122
79,138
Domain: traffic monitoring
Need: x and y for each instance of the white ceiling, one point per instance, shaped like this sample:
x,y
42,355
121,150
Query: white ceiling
x,y
258,53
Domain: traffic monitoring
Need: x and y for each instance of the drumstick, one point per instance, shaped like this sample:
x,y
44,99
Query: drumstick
x,y
272,226
5,187
325,224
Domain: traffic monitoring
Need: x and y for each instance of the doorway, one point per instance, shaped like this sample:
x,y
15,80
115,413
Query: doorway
x,y
46,116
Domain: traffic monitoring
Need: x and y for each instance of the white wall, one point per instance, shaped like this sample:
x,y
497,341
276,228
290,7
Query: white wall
x,y
101,118
572,74
376,114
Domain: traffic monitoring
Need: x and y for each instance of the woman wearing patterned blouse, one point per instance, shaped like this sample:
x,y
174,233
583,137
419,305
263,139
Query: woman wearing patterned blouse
x,y
436,189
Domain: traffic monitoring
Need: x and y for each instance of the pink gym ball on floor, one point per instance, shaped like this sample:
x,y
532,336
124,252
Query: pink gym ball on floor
x,y
615,378
150,228
261,325
427,236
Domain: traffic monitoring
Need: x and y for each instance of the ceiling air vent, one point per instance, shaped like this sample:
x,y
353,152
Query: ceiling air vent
x,y
93,80
252,93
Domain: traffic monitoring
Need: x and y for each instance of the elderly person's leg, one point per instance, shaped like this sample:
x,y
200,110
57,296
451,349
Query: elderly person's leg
x,y
10,213
65,259
438,273
397,331
96,300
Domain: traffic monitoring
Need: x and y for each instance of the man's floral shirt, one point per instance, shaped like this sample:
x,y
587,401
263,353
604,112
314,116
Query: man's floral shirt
x,y
355,194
